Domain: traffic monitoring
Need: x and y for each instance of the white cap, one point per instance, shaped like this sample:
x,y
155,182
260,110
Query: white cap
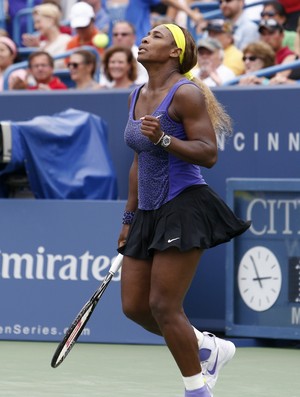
x,y
81,15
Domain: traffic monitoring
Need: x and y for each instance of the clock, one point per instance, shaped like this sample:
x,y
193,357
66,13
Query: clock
x,y
259,278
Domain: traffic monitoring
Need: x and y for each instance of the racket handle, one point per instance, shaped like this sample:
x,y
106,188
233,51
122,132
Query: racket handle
x,y
117,263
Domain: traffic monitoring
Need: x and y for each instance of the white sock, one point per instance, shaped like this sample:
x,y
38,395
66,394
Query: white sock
x,y
199,336
193,382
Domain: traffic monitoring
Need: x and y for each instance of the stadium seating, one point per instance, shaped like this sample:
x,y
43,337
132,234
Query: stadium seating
x,y
16,27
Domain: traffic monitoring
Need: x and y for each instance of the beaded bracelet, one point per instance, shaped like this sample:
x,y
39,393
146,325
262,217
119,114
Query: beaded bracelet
x,y
128,217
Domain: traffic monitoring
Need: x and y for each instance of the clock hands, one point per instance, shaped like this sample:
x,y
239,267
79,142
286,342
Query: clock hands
x,y
256,272
258,278
262,278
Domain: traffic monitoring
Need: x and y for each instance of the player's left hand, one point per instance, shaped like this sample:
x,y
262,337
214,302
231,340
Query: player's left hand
x,y
150,127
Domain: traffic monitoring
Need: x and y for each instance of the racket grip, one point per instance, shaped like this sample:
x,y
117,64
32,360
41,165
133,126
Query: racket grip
x,y
117,263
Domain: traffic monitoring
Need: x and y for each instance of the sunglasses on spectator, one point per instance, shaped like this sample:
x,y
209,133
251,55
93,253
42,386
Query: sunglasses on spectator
x,y
251,58
268,14
123,34
74,65
270,23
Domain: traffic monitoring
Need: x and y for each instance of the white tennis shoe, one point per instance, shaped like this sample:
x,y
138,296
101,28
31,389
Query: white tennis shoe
x,y
221,353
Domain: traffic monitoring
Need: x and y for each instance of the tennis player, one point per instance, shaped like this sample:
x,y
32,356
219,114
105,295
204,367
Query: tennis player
x,y
172,215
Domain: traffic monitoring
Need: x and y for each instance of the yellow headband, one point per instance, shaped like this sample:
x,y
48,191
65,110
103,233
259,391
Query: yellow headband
x,y
179,38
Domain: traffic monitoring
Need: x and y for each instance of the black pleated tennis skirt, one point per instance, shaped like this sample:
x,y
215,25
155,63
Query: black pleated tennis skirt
x,y
196,218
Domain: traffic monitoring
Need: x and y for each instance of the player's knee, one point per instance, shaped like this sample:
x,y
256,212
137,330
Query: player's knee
x,y
129,311
159,309
133,312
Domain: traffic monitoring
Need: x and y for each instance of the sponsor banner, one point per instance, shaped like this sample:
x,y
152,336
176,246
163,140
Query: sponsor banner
x,y
53,255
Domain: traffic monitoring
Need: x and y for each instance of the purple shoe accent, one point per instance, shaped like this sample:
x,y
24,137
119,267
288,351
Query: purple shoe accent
x,y
202,392
213,370
204,354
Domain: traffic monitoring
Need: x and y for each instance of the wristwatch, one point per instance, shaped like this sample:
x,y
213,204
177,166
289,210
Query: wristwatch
x,y
166,140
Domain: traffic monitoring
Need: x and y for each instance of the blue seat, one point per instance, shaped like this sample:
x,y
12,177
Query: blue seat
x,y
2,16
16,26
24,52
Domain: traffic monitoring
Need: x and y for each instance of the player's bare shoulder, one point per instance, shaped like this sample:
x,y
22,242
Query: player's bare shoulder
x,y
188,97
189,91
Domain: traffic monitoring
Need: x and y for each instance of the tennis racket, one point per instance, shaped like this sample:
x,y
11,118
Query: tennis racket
x,y
83,316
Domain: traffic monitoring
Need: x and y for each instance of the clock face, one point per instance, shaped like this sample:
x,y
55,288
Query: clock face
x,y
259,278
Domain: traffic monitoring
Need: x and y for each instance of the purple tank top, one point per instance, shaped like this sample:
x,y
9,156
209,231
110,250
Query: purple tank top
x,y
161,176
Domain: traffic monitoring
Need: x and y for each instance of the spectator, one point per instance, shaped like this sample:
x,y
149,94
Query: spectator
x,y
8,55
46,19
210,63
257,56
292,9
66,6
138,13
41,68
14,6
253,11
297,40
271,32
82,19
120,67
280,79
275,10
3,33
123,34
82,65
158,13
101,16
179,17
245,30
223,32
116,10
64,26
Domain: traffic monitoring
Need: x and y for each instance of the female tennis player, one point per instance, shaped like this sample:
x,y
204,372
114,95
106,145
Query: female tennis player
x,y
171,215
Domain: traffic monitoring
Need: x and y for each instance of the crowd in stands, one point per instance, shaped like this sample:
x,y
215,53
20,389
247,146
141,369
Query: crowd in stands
x,y
236,43
82,66
119,67
40,68
211,67
48,37
256,56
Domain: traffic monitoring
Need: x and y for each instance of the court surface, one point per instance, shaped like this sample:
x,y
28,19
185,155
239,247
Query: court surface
x,y
93,370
